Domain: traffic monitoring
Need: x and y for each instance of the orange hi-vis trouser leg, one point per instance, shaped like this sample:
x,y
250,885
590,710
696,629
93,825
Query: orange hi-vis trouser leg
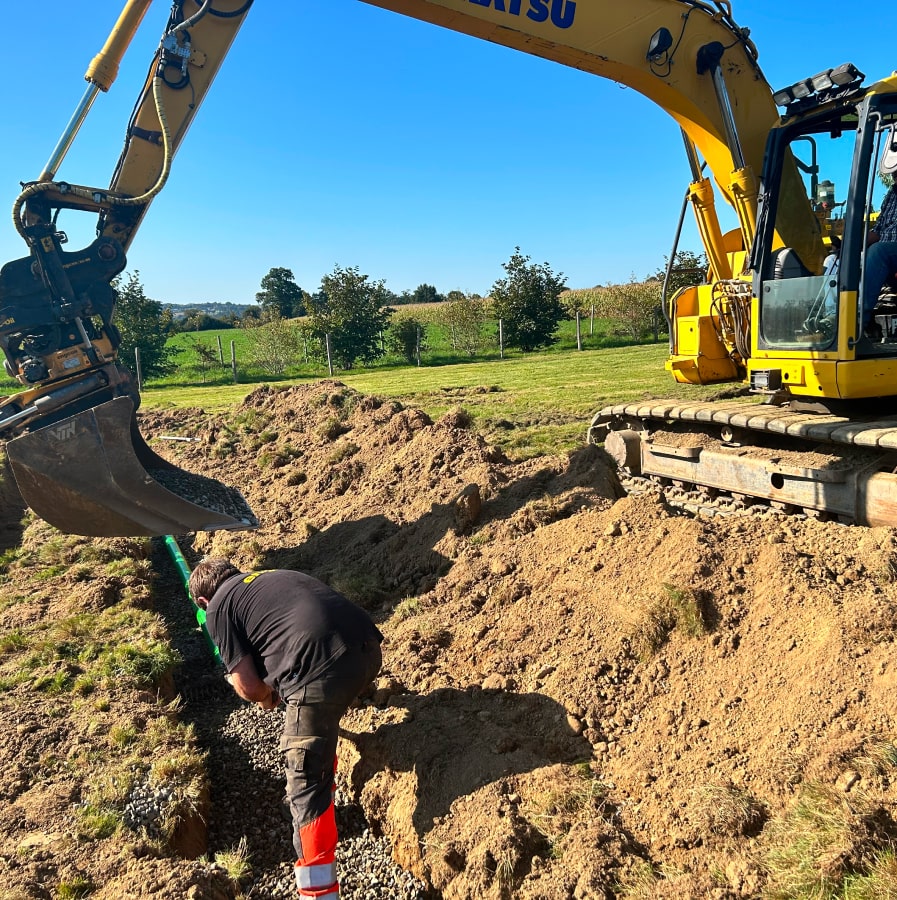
x,y
316,869
311,732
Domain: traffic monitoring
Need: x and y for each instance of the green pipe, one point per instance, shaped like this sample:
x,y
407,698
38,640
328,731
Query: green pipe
x,y
184,569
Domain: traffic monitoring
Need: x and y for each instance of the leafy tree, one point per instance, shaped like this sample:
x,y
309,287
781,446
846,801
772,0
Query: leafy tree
x,y
196,320
144,325
406,337
280,295
207,356
688,268
350,309
633,305
466,315
527,302
274,344
426,293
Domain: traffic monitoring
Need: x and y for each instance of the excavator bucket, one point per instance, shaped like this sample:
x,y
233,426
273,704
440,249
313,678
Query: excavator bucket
x,y
93,474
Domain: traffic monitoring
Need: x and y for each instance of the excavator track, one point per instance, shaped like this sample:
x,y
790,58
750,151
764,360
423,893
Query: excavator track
x,y
727,455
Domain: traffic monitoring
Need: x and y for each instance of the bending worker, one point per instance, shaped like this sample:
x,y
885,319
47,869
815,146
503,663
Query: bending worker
x,y
284,634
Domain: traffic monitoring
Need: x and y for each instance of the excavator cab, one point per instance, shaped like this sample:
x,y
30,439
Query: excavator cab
x,y
810,299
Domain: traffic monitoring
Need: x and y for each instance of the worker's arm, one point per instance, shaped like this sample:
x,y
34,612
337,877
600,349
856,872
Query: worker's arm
x,y
246,682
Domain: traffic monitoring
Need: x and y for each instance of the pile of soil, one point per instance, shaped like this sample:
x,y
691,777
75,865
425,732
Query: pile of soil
x,y
584,694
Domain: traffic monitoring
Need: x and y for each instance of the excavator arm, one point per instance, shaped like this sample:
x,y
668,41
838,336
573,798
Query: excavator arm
x,y
57,327
72,439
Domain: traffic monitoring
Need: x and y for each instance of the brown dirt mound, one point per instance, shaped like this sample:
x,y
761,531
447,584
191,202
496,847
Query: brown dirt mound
x,y
580,692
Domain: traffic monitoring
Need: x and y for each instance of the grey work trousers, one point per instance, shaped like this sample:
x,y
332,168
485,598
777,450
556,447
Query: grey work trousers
x,y
311,732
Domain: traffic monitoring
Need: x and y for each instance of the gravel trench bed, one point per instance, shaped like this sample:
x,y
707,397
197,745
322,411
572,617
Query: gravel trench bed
x,y
246,774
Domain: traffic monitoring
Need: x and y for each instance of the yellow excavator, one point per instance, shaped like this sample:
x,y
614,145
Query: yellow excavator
x,y
778,315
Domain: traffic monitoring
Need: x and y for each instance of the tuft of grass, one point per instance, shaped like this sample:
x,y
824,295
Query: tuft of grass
x,y
75,888
341,452
675,608
332,428
84,685
360,587
8,557
728,809
123,568
8,682
235,862
13,641
122,735
826,838
183,773
505,863
94,823
553,812
879,882
638,883
481,538
406,608
56,683
878,758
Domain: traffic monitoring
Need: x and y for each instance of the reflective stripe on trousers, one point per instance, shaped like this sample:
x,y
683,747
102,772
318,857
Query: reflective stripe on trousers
x,y
317,881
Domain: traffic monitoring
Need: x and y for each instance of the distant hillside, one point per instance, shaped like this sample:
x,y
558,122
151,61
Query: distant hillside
x,y
219,310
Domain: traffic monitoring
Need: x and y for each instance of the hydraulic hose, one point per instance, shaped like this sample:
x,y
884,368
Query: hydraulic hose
x,y
184,569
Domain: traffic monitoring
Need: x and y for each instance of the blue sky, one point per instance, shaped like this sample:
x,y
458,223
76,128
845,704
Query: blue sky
x,y
341,134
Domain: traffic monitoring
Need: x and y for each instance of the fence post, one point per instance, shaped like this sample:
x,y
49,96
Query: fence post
x,y
233,359
418,345
592,320
329,360
578,332
139,370
501,340
220,349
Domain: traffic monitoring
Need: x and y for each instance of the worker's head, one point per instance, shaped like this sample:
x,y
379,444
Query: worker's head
x,y
208,576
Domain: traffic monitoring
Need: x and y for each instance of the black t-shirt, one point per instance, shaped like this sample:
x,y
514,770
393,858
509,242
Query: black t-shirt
x,y
292,625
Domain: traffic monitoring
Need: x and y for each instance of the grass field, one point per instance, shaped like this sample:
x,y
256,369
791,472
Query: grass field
x,y
439,350
528,404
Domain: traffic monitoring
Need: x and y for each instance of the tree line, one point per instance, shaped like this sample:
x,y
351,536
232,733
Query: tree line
x,y
353,319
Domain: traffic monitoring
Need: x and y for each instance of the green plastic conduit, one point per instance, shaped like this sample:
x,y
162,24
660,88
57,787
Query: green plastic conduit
x,y
184,569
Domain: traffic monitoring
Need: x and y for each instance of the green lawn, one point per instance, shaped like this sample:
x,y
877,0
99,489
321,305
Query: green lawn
x,y
600,334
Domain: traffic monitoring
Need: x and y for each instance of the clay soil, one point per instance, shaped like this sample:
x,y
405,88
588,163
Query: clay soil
x,y
584,695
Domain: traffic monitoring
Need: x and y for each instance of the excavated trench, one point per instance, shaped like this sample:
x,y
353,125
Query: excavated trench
x,y
246,776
